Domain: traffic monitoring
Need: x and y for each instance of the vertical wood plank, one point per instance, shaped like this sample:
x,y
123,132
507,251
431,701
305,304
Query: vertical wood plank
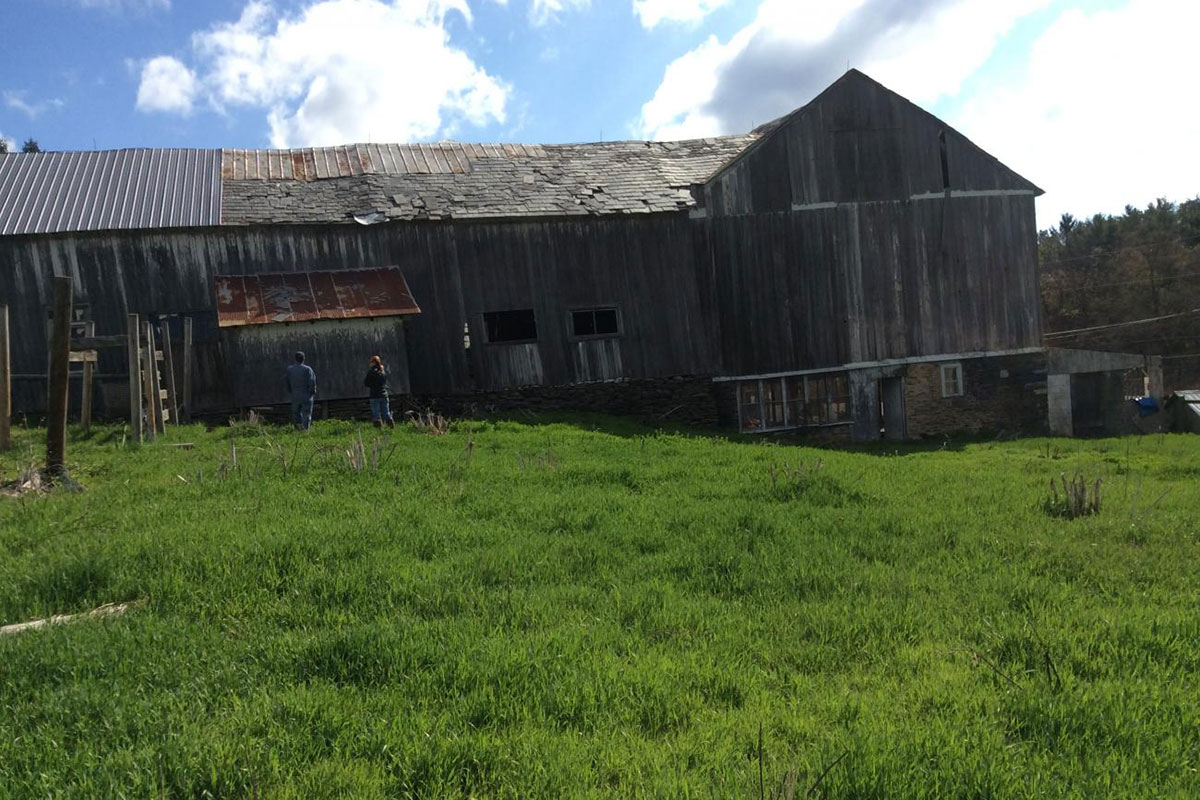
x,y
85,400
60,361
169,366
149,368
187,369
5,384
133,351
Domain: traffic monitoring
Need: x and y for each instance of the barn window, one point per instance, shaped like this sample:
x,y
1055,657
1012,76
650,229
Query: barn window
x,y
749,407
588,322
510,326
793,402
952,380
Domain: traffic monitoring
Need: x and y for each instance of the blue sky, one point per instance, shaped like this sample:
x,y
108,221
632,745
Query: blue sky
x,y
1057,89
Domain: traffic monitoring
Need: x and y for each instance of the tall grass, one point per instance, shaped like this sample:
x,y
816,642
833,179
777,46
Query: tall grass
x,y
591,608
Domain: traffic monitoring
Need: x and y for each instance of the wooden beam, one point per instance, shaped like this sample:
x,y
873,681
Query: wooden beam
x,y
169,366
86,357
160,418
187,369
92,342
134,356
85,399
60,353
106,610
5,384
149,368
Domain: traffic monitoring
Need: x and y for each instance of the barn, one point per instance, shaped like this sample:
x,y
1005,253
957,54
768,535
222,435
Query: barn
x,y
855,269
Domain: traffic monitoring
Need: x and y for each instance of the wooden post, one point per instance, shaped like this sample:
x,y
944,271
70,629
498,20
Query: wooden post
x,y
169,365
60,362
85,400
132,327
5,384
187,369
148,370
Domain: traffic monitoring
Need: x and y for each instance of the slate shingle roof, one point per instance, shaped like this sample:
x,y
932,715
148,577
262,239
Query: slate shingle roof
x,y
386,182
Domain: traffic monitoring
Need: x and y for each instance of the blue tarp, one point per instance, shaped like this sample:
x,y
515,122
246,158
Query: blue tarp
x,y
1146,406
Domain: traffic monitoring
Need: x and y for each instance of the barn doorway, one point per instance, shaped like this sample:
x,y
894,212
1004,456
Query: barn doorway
x,y
891,412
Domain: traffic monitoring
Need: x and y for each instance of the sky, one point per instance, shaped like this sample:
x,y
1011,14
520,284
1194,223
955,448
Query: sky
x,y
1092,100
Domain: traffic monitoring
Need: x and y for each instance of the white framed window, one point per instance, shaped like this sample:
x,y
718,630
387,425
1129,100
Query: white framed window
x,y
952,380
797,401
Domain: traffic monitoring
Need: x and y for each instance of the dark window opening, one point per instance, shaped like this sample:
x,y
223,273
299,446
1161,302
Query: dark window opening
x,y
794,402
595,322
510,326
945,160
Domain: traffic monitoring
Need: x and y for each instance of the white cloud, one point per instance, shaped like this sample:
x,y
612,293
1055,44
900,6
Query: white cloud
x,y
32,109
1105,114
652,12
167,85
542,12
923,49
348,70
9,142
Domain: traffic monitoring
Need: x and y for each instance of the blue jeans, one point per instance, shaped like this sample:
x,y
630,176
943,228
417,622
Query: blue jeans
x,y
380,410
302,413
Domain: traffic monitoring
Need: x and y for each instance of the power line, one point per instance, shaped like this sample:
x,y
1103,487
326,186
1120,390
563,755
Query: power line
x,y
1121,324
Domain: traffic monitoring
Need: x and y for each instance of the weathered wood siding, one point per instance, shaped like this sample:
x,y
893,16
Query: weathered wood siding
x,y
258,354
857,141
871,281
457,271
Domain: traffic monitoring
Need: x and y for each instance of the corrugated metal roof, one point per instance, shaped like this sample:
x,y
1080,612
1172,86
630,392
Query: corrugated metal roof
x,y
301,296
109,189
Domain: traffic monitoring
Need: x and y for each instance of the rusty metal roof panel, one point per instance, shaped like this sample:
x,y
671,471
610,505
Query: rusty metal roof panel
x,y
325,295
108,190
302,296
351,297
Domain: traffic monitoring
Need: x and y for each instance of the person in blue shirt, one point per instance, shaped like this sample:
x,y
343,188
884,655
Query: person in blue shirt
x,y
301,384
377,384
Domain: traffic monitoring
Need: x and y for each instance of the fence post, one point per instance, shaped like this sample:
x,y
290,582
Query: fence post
x,y
60,359
85,400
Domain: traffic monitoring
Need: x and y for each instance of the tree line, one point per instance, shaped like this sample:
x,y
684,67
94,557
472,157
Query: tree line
x,y
30,146
1140,267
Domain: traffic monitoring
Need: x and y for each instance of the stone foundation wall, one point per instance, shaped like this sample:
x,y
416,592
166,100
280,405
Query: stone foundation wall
x,y
684,400
1002,394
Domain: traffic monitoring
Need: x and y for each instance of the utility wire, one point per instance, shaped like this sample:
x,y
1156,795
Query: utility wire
x,y
1121,324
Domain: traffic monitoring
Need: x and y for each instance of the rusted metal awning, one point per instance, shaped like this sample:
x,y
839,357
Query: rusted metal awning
x,y
301,296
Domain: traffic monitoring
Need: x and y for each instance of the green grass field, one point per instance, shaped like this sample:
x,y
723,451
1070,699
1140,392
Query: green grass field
x,y
594,609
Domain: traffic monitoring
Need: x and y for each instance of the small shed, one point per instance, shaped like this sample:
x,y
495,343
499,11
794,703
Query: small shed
x,y
339,319
1184,409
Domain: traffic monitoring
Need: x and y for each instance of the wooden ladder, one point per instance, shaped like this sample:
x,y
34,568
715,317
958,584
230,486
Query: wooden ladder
x,y
161,398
